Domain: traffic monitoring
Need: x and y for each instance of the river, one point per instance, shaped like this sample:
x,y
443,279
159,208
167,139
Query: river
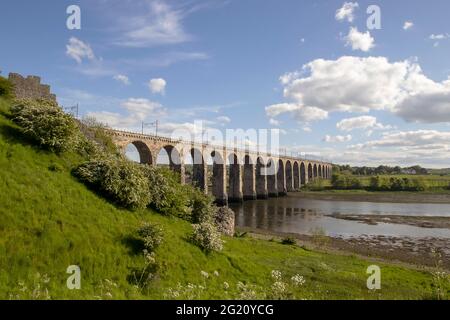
x,y
293,214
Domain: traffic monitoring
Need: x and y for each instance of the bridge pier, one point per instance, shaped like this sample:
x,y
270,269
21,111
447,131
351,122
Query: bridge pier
x,y
249,180
281,179
219,188
235,193
261,180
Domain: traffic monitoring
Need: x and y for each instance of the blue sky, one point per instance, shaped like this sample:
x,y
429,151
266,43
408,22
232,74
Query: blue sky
x,y
310,68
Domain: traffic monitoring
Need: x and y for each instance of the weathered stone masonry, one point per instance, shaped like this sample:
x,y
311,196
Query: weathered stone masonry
x,y
30,87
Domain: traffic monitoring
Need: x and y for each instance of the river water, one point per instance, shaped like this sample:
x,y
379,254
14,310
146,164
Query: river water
x,y
293,214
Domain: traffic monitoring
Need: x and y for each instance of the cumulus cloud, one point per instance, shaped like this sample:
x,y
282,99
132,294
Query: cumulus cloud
x,y
78,50
138,110
301,113
408,25
363,122
334,139
346,12
359,85
122,78
157,85
359,41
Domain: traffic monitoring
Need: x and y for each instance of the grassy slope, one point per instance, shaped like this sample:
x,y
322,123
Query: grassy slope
x,y
49,221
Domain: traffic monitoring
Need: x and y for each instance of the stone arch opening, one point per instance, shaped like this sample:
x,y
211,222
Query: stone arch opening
x,y
289,177
138,151
296,172
319,171
170,157
302,174
310,172
315,173
195,169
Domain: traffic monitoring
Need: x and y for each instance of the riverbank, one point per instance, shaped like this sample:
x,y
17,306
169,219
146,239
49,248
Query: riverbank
x,y
413,252
368,196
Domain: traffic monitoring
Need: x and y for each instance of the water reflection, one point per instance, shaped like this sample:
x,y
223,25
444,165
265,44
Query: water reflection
x,y
293,214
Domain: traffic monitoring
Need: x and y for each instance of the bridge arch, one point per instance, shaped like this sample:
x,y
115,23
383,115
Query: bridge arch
x,y
145,155
289,177
296,172
315,171
303,175
310,172
170,156
196,169
319,171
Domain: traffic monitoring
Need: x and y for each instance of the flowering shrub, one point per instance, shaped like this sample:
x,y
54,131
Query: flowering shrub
x,y
46,123
121,180
224,220
207,237
151,235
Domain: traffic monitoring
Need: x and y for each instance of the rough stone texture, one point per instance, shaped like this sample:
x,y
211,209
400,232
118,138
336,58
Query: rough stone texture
x,y
30,87
224,220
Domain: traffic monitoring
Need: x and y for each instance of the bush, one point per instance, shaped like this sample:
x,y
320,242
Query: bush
x,y
46,123
207,237
224,220
167,195
152,236
123,181
6,88
203,208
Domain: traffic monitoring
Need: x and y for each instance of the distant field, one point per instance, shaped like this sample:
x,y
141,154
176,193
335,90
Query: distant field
x,y
433,183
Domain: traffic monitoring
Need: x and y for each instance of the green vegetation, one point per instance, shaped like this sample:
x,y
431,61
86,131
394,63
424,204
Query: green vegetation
x,y
6,88
49,220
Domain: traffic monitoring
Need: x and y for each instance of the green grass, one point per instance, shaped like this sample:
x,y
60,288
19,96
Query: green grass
x,y
49,221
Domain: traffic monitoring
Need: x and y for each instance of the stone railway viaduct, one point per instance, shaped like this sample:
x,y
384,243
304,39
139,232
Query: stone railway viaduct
x,y
237,175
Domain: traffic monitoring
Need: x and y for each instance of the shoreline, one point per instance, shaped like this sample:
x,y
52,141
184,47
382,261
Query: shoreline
x,y
417,252
384,197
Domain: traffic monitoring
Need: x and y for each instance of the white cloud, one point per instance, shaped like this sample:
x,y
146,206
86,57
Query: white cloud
x,y
78,50
439,36
410,140
274,122
157,85
138,110
223,119
359,41
363,122
304,114
408,25
157,23
334,139
356,84
122,78
346,12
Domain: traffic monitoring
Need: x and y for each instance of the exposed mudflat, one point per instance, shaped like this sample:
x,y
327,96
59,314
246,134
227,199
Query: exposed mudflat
x,y
420,252
423,222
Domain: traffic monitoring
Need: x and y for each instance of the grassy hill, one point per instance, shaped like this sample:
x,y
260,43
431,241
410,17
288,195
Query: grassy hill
x,y
48,221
